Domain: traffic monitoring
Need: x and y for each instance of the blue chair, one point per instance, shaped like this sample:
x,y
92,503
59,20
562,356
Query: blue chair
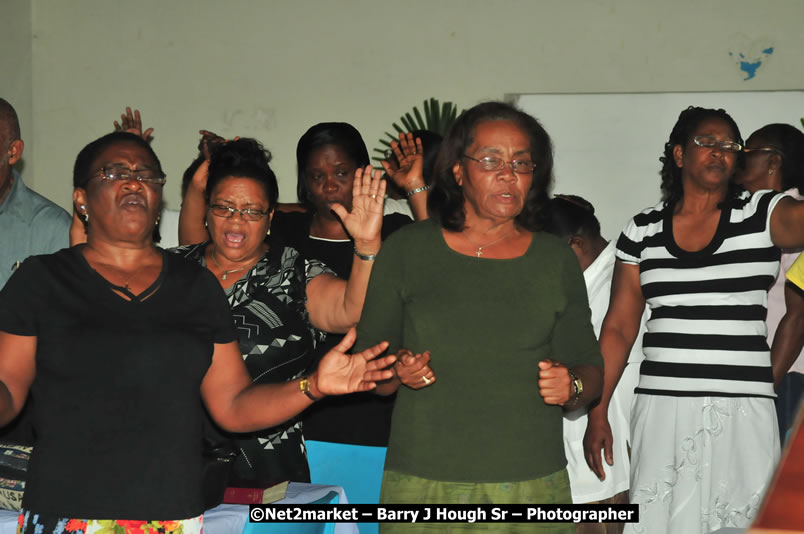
x,y
296,528
357,468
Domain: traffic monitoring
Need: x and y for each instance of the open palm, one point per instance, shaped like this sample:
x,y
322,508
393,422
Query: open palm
x,y
340,373
364,222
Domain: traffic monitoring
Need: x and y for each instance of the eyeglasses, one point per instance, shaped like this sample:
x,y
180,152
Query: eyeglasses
x,y
120,173
763,149
707,141
227,212
490,163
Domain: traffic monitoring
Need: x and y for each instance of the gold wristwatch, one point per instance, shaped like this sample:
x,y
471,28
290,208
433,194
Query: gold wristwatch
x,y
304,387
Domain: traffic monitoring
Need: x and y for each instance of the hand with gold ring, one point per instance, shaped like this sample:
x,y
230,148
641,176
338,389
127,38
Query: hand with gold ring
x,y
414,370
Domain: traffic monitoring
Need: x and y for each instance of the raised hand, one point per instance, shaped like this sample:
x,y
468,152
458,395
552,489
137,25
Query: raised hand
x,y
410,155
414,370
199,179
209,141
598,436
132,123
364,222
339,373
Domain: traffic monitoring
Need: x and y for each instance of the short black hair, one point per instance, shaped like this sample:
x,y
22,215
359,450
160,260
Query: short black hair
x,y
446,202
572,215
82,170
245,157
789,140
341,134
682,133
9,120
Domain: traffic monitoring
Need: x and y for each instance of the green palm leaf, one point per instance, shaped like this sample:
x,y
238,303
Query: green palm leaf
x,y
438,117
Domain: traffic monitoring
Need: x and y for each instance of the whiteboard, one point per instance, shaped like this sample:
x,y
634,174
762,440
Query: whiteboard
x,y
607,145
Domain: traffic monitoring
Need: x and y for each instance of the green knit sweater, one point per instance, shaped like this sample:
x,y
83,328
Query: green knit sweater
x,y
487,323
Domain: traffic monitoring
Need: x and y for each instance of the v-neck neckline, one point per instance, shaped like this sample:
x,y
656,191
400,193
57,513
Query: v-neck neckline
x,y
115,290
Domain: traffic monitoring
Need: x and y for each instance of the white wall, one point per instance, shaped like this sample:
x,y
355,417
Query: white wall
x,y
16,70
272,68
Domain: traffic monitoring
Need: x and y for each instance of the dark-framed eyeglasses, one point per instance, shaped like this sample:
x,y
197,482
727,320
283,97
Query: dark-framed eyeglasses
x,y
121,173
491,163
707,141
226,212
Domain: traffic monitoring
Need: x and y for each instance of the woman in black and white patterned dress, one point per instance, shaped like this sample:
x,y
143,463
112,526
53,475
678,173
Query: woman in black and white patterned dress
x,y
282,302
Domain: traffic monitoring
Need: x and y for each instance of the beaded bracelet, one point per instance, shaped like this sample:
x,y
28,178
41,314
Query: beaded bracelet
x,y
417,190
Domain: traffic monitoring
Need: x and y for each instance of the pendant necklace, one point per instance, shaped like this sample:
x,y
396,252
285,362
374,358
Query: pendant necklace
x,y
225,271
130,278
479,251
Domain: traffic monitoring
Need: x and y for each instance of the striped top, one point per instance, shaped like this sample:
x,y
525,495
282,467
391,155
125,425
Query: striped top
x,y
706,333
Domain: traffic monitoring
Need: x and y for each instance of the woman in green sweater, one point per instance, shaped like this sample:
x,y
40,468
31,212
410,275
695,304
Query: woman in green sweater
x,y
497,309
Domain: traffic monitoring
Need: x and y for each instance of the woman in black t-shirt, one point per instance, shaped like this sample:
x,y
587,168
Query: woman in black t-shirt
x,y
117,342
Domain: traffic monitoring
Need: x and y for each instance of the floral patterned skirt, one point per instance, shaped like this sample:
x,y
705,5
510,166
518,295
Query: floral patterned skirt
x,y
32,523
699,464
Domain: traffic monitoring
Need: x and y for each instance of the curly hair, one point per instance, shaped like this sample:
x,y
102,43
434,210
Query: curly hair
x,y
788,140
341,134
688,122
245,157
446,201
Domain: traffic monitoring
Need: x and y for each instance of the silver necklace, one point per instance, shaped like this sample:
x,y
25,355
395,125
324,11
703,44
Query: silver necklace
x,y
480,247
226,272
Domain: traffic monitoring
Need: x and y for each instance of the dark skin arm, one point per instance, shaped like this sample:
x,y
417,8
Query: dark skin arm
x,y
789,338
239,405
17,372
787,224
617,336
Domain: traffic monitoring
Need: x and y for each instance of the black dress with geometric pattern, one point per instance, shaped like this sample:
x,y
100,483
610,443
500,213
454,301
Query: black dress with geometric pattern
x,y
277,342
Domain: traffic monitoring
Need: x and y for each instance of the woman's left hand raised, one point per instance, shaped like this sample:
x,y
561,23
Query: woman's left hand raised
x,y
132,123
364,222
554,382
339,373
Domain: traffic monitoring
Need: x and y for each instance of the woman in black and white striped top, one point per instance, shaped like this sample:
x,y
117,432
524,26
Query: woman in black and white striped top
x,y
704,438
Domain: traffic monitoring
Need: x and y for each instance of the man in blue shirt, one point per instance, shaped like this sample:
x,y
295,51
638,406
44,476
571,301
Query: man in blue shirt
x,y
29,223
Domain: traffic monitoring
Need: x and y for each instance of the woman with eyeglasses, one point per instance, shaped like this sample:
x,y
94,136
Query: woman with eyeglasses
x,y
118,343
328,156
703,428
489,318
282,300
774,159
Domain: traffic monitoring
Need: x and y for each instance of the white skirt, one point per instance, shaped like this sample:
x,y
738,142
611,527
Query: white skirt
x,y
699,464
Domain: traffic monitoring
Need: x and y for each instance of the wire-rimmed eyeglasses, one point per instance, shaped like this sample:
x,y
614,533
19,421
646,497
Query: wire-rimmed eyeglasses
x,y
120,173
227,212
707,141
491,163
